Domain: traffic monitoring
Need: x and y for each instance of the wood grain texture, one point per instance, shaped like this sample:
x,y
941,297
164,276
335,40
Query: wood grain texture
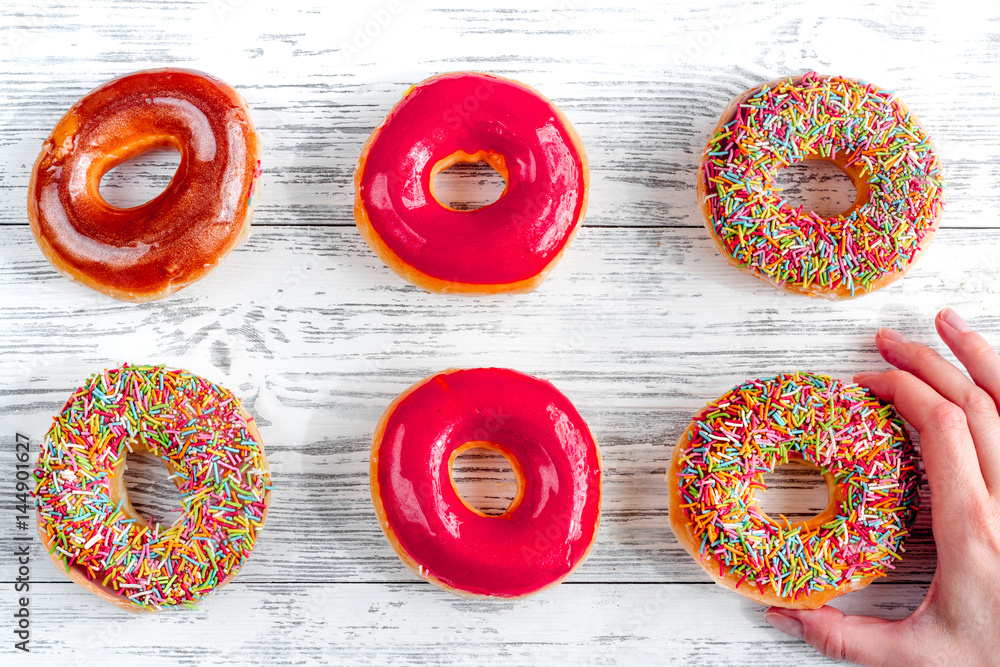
x,y
643,85
414,624
640,324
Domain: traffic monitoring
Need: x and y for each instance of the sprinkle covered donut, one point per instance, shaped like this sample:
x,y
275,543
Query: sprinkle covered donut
x,y
857,442
865,131
148,251
213,451
507,246
549,527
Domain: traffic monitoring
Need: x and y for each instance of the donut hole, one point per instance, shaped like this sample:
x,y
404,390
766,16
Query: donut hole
x,y
468,185
485,478
140,179
151,492
817,185
795,490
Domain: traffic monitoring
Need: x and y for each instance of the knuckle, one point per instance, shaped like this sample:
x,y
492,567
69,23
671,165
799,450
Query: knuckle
x,y
832,645
975,399
985,523
980,349
948,417
894,376
925,355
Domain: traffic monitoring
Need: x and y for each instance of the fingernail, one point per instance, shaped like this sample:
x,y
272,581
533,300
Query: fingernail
x,y
864,375
787,624
953,320
892,334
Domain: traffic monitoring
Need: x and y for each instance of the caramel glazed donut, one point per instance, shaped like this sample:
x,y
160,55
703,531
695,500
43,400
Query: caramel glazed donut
x,y
508,246
549,527
152,250
213,450
858,443
871,136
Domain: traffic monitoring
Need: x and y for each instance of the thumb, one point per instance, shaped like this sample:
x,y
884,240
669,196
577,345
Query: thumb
x,y
861,639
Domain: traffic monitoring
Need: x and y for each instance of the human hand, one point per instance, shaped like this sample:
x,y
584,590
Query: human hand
x,y
958,622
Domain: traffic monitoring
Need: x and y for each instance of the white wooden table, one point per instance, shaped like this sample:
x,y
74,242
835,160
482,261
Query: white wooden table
x,y
640,324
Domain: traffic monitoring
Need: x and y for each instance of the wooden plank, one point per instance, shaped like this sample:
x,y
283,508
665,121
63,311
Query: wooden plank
x,y
418,624
641,318
644,102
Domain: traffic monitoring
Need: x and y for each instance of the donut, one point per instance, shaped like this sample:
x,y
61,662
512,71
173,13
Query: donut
x,y
146,252
549,527
213,450
866,132
859,445
508,246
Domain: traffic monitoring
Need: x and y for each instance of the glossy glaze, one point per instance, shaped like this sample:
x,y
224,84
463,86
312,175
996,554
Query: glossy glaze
x,y
544,534
463,117
147,251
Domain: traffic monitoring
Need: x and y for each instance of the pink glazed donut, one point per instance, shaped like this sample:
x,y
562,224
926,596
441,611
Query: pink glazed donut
x,y
507,246
551,524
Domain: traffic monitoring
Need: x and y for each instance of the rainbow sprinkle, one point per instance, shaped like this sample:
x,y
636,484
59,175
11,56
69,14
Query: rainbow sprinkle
x,y
194,426
842,430
865,130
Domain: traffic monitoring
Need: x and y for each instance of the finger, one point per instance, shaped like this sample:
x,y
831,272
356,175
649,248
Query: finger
x,y
953,385
861,639
975,353
983,365
946,445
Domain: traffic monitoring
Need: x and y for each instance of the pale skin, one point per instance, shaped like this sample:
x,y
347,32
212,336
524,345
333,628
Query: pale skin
x,y
956,414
